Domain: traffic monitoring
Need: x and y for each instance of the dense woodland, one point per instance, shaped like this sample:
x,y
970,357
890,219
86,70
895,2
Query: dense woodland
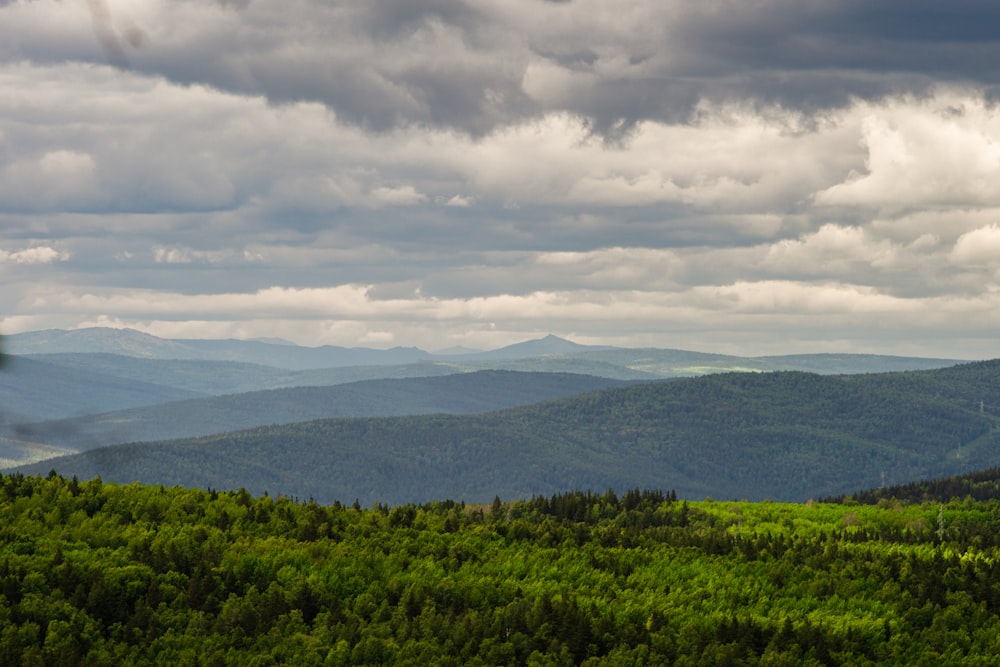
x,y
978,485
93,573
779,436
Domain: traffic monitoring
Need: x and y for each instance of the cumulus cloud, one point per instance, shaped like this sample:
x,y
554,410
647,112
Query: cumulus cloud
x,y
34,255
980,247
832,251
925,154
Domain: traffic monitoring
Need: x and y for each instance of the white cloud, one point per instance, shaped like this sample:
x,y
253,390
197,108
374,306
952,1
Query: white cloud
x,y
616,268
940,151
183,255
458,201
833,250
980,247
405,195
33,255
57,178
778,296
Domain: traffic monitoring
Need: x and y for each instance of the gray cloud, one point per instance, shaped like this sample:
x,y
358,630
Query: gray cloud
x,y
744,176
465,65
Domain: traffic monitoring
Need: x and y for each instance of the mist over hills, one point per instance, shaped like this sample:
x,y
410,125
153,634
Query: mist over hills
x,y
784,436
456,393
652,362
31,389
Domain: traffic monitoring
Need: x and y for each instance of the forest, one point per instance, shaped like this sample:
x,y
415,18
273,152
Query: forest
x,y
781,436
95,573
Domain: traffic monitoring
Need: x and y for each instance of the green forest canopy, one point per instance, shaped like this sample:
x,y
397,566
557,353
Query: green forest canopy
x,y
93,573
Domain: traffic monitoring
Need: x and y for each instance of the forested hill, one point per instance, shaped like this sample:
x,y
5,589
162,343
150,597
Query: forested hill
x,y
789,435
31,390
458,393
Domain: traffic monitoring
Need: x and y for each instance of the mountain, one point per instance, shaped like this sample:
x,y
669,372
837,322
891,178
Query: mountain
x,y
460,393
784,436
549,345
133,343
550,353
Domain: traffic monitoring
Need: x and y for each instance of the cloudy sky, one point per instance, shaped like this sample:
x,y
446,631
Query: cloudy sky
x,y
740,176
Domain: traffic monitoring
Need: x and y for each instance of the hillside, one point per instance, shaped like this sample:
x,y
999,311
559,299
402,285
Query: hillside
x,y
207,377
32,390
785,436
458,393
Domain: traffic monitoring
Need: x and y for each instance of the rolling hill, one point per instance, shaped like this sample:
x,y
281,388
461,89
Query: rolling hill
x,y
32,390
784,436
134,343
457,393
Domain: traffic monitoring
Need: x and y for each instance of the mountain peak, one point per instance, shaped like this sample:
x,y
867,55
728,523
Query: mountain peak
x,y
549,344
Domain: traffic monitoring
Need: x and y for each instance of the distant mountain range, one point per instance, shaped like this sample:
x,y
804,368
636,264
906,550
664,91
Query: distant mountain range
x,y
271,352
281,354
132,343
67,391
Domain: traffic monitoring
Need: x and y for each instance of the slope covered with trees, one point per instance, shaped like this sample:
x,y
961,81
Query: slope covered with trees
x,y
457,393
742,435
32,390
97,574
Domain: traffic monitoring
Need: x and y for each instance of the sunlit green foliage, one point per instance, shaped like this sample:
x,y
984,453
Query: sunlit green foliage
x,y
99,574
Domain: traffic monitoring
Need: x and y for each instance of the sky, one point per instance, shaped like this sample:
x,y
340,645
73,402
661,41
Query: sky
x,y
740,176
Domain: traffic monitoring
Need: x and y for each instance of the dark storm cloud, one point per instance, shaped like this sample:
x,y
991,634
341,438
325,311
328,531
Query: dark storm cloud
x,y
808,55
878,37
464,65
